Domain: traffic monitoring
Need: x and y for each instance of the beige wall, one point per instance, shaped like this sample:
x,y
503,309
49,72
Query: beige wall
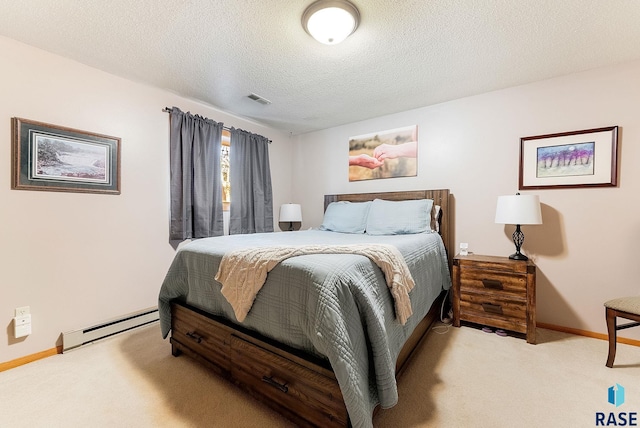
x,y
79,259
586,250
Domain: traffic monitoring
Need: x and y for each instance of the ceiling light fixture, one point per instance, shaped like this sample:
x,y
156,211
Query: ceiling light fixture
x,y
330,21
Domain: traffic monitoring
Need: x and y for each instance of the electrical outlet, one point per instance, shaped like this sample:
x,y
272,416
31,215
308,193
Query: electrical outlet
x,y
22,326
22,311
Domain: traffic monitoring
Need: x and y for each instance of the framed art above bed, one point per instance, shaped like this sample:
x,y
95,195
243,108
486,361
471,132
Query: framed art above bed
x,y
384,154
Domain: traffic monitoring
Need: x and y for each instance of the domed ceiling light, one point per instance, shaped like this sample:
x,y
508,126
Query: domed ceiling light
x,y
330,21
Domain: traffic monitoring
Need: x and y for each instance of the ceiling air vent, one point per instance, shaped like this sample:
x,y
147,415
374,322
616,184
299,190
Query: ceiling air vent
x,y
259,99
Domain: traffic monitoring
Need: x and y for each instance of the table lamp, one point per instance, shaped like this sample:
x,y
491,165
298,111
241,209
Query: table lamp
x,y
518,209
291,213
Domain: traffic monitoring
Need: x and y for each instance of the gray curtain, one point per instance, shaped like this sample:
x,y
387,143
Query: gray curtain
x,y
251,208
196,183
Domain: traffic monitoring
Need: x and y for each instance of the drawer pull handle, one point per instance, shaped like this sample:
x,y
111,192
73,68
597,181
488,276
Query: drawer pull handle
x,y
491,308
492,283
281,386
195,337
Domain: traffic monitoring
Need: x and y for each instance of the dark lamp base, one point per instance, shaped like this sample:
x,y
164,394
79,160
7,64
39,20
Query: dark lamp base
x,y
518,256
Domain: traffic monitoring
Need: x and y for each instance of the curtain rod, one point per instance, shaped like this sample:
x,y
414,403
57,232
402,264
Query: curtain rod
x,y
168,110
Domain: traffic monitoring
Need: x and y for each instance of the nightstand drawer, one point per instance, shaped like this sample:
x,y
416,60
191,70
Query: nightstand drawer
x,y
472,305
503,323
497,283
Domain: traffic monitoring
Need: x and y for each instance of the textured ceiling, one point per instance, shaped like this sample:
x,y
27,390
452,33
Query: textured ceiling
x,y
405,53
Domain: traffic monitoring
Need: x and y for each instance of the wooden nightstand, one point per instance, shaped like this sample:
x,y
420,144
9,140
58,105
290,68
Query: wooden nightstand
x,y
495,291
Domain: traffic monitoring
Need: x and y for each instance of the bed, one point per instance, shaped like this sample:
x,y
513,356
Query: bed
x,y
322,343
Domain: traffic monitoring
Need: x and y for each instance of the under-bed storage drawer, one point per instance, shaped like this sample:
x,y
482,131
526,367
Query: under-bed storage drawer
x,y
202,336
304,391
288,385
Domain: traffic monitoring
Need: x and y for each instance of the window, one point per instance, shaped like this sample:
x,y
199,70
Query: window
x,y
224,167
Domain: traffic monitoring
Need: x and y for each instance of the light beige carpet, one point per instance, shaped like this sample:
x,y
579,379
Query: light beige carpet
x,y
458,378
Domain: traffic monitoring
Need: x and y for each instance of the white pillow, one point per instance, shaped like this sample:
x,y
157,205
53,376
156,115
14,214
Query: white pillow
x,y
399,217
346,217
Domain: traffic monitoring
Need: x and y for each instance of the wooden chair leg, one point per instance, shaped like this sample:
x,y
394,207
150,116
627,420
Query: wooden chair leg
x,y
611,329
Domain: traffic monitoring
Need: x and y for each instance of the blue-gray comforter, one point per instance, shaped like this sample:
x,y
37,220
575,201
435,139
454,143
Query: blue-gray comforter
x,y
333,305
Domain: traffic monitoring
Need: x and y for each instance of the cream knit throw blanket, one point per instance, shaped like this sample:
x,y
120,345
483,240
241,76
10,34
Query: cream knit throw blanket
x,y
243,272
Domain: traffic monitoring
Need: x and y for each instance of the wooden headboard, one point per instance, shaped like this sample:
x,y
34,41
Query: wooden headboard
x,y
440,197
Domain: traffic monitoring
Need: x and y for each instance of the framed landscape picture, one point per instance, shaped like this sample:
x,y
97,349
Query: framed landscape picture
x,y
575,159
55,158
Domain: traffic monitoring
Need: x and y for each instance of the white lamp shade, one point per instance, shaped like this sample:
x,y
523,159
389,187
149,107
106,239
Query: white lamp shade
x,y
290,212
330,21
518,209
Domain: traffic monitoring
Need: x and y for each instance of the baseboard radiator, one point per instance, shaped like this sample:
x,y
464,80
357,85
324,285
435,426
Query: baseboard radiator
x,y
76,338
